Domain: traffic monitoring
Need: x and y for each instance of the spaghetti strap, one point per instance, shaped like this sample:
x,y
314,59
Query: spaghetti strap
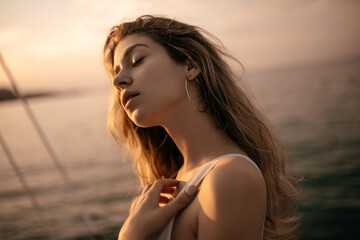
x,y
207,167
196,180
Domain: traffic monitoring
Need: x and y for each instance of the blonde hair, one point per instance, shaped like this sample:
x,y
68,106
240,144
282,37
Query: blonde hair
x,y
225,101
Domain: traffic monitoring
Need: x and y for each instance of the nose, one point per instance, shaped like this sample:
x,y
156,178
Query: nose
x,y
122,80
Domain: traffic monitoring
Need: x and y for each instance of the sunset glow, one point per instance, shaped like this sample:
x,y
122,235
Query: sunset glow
x,y
57,44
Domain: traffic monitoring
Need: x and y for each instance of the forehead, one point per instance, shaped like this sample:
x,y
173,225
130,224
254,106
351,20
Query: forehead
x,y
131,40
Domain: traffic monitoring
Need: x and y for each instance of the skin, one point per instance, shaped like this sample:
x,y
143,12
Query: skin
x,y
231,202
147,218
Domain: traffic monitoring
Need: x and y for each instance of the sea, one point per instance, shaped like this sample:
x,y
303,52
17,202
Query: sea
x,y
86,192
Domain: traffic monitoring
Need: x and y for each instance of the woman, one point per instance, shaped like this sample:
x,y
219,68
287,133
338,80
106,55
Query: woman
x,y
177,106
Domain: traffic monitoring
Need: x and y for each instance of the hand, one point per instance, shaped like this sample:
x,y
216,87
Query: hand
x,y
148,218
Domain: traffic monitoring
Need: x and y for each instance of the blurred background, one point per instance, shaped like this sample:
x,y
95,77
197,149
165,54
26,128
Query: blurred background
x,y
302,64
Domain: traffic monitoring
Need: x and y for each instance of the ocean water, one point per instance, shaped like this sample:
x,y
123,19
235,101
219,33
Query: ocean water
x,y
315,110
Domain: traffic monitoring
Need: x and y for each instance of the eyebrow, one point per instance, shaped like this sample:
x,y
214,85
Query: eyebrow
x,y
130,49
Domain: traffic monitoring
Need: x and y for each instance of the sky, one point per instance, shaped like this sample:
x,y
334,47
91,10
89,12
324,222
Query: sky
x,y
57,45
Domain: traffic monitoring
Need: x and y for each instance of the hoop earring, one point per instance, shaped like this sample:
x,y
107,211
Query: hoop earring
x,y
188,95
162,143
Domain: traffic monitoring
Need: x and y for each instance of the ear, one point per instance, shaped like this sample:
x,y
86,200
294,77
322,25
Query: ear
x,y
191,71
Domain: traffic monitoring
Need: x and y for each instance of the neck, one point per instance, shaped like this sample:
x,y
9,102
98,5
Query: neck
x,y
197,138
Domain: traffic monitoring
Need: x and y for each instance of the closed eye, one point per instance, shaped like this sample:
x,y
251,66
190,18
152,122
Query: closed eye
x,y
134,64
137,62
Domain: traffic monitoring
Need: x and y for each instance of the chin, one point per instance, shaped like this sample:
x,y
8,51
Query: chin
x,y
143,120
143,125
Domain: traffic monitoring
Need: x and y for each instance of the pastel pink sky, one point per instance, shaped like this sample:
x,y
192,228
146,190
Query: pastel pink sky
x,y
57,45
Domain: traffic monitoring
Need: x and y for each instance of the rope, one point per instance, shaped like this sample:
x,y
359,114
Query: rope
x,y
85,215
27,189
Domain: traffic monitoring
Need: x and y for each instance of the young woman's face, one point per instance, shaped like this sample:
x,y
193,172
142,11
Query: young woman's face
x,y
151,84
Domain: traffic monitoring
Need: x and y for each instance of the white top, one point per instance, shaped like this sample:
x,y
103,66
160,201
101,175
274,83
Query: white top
x,y
196,180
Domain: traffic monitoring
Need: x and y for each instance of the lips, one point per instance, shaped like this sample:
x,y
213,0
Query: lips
x,y
126,96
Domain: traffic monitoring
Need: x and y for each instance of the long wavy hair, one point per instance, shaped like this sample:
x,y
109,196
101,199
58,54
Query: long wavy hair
x,y
225,100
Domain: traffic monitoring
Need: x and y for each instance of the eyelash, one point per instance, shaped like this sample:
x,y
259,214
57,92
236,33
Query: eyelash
x,y
137,62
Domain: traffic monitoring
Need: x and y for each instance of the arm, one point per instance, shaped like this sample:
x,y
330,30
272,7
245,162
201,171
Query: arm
x,y
232,202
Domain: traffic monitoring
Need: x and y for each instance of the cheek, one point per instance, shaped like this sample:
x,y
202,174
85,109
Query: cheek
x,y
160,78
162,85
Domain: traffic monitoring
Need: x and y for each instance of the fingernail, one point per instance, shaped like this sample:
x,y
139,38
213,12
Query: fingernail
x,y
191,190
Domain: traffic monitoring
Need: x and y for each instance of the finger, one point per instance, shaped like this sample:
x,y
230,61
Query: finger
x,y
159,184
178,188
168,182
168,190
182,200
164,199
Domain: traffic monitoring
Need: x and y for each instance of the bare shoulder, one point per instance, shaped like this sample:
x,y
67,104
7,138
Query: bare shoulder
x,y
232,200
236,171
